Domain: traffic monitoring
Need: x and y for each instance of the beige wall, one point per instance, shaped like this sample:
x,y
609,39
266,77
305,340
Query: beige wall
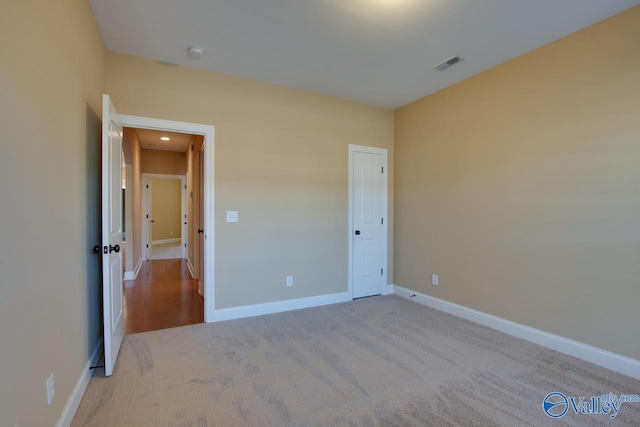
x,y
52,66
520,188
163,162
280,160
166,207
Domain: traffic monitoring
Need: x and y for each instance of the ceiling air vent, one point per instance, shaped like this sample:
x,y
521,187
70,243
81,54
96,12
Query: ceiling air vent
x,y
448,63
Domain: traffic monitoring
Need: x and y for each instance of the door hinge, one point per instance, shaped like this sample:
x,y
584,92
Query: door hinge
x,y
147,216
147,185
147,246
382,221
185,245
383,169
185,187
191,147
381,271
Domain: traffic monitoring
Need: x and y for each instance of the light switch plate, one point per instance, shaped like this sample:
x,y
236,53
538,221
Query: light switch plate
x,y
232,216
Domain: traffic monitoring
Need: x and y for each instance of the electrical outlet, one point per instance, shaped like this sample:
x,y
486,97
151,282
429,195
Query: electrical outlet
x,y
289,281
51,389
434,279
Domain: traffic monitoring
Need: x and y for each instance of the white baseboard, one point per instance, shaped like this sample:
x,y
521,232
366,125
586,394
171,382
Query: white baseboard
x,y
192,271
163,241
387,290
287,305
132,275
74,400
606,359
278,306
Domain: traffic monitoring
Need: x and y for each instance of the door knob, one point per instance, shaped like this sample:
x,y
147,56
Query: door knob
x,y
200,231
357,232
115,248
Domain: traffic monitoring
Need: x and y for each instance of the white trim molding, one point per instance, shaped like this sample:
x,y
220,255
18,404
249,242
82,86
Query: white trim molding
x,y
74,400
606,359
387,290
279,306
192,271
132,275
163,241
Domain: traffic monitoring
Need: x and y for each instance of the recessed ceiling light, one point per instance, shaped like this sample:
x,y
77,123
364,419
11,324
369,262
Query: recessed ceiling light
x,y
165,138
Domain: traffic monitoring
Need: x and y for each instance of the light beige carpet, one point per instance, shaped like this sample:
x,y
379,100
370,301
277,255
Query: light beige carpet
x,y
377,361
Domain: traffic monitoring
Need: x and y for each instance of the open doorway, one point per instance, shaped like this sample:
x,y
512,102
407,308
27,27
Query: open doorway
x,y
165,216
162,288
114,143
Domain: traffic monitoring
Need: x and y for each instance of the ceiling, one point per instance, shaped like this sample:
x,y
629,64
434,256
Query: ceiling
x,y
150,140
378,52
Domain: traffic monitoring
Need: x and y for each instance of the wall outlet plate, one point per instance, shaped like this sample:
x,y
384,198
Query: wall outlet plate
x,y
434,279
289,281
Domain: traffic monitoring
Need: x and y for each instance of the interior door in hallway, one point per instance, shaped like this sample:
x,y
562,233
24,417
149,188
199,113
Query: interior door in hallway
x,y
199,208
111,233
369,256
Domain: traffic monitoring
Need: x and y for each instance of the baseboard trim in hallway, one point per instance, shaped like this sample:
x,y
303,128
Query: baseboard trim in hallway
x,y
192,271
132,275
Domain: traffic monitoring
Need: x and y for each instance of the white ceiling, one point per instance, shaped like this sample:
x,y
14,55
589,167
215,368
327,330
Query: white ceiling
x,y
150,140
379,52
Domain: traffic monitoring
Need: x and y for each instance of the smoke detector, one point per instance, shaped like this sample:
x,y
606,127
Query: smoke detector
x,y
448,63
195,52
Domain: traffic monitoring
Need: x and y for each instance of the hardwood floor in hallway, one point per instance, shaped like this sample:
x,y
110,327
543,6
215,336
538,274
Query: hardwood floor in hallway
x,y
163,296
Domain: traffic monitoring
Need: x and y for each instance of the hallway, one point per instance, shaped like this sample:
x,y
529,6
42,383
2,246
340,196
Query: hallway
x,y
163,296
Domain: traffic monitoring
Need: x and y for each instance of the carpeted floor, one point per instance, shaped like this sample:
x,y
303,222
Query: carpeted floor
x,y
376,361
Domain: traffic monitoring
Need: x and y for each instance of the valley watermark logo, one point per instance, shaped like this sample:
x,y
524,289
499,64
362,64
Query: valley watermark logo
x,y
556,404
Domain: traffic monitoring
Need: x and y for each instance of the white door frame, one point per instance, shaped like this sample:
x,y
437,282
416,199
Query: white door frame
x,y
207,131
146,207
385,247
